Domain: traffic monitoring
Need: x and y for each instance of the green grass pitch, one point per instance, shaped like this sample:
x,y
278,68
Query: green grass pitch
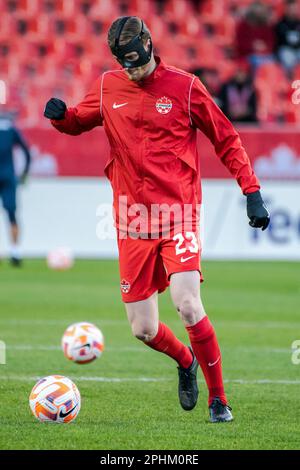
x,y
129,395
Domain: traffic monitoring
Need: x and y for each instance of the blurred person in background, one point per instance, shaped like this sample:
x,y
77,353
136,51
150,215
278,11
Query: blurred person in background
x,y
10,138
288,36
237,97
151,112
210,78
255,36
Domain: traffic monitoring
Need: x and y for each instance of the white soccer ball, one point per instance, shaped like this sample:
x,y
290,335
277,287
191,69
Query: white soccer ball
x,y
60,259
82,342
55,399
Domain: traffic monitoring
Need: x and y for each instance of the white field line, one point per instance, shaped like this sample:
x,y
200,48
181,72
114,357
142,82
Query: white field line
x,y
41,347
89,379
121,322
64,323
151,379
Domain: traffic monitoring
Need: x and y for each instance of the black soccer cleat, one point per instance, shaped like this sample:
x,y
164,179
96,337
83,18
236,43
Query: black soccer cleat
x,y
219,412
187,386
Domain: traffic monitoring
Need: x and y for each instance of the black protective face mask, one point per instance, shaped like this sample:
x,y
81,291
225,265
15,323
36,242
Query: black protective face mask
x,y
135,45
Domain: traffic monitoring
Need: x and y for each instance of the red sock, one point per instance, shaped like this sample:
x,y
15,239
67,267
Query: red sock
x,y
206,349
166,342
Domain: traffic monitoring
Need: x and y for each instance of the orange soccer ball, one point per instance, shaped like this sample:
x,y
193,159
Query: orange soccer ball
x,y
82,342
55,399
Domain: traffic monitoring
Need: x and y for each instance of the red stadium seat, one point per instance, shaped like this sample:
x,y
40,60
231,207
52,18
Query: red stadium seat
x,y
209,54
7,26
157,27
213,12
225,31
141,8
178,10
66,8
105,10
23,6
272,87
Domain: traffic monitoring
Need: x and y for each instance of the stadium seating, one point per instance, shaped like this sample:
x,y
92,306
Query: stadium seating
x,y
45,42
273,92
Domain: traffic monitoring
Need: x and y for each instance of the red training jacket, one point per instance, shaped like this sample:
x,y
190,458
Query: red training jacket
x,y
151,126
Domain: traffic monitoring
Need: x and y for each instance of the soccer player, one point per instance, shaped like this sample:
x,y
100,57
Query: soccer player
x,y
151,112
10,137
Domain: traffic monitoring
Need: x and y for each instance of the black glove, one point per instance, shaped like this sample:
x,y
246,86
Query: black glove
x,y
55,109
257,211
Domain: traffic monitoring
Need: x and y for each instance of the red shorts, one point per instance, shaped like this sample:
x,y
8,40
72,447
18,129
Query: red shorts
x,y
147,264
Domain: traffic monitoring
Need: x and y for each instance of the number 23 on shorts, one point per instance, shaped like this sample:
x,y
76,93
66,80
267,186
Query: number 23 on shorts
x,y
187,243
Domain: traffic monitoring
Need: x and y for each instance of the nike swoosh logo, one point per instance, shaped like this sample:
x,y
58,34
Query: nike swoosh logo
x,y
63,415
210,364
116,106
183,260
87,345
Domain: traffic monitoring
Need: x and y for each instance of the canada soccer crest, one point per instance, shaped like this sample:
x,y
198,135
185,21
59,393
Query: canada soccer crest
x,y
125,286
163,105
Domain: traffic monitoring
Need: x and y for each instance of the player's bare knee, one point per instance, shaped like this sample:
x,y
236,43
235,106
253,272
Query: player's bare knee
x,y
187,310
145,338
191,310
146,334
